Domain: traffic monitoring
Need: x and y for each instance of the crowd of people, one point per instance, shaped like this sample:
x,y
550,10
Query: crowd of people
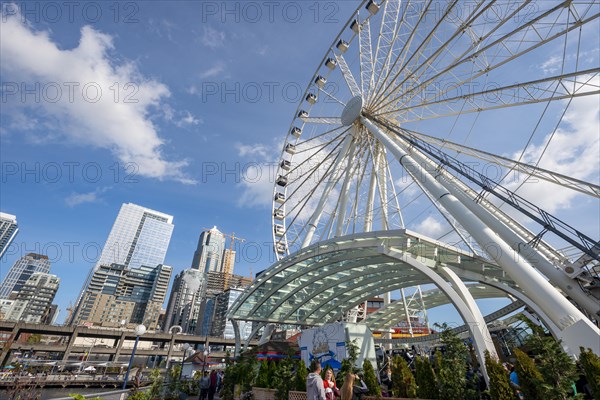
x,y
326,389
210,383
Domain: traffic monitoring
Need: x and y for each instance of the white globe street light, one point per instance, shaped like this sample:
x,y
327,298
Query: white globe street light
x,y
139,331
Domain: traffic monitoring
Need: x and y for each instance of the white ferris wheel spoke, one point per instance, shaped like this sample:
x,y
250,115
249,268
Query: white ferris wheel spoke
x,y
587,188
506,48
554,88
385,41
322,120
347,74
366,56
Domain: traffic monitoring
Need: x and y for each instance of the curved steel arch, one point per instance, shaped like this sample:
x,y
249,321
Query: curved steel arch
x,y
329,252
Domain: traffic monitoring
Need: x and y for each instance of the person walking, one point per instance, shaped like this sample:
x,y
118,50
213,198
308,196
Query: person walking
x,y
204,386
212,388
315,389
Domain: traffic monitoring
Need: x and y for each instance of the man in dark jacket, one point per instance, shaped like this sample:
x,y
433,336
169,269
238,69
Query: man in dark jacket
x,y
315,390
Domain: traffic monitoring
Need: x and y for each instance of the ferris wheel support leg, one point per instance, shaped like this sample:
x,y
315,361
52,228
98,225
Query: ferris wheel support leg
x,y
482,341
238,338
372,186
339,229
316,216
521,248
576,329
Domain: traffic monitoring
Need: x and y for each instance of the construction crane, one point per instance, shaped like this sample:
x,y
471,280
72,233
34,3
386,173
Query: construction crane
x,y
232,238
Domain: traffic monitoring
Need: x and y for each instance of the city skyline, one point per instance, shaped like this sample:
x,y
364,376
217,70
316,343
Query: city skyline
x,y
185,128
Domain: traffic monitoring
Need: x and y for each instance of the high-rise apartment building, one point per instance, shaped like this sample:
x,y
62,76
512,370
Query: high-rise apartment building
x,y
139,237
33,303
221,326
21,271
185,301
120,296
208,256
8,231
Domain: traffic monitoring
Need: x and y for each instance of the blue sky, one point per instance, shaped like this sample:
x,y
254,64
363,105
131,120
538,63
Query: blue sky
x,y
174,106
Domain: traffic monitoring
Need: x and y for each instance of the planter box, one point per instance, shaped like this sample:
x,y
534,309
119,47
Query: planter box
x,y
293,395
264,394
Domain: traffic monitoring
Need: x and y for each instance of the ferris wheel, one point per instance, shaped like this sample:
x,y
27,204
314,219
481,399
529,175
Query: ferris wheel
x,y
490,81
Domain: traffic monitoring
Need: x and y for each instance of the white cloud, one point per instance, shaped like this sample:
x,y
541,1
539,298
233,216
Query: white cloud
x,y
188,120
213,38
76,199
212,71
574,150
89,98
258,150
552,65
430,227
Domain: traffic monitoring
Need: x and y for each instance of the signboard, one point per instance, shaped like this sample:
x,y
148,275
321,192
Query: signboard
x,y
328,344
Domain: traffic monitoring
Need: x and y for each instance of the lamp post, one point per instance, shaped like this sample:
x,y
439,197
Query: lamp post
x,y
206,352
139,331
186,346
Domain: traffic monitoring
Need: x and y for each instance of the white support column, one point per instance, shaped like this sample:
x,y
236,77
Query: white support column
x,y
576,329
316,216
238,338
372,187
406,313
341,214
464,293
516,242
481,340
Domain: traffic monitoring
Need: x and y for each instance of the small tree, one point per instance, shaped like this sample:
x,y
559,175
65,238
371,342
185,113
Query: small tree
x,y
346,369
301,375
403,381
283,379
557,367
530,379
425,379
262,380
271,371
590,366
371,379
452,366
499,381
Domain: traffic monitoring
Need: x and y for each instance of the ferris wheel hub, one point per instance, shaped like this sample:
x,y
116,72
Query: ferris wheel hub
x,y
352,110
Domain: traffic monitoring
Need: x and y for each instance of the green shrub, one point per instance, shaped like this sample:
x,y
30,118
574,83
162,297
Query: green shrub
x,y
371,379
590,366
301,375
403,381
530,379
425,379
499,380
452,366
262,380
557,368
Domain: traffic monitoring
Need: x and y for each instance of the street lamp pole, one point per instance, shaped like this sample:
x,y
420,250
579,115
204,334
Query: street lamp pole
x,y
139,331
186,346
204,363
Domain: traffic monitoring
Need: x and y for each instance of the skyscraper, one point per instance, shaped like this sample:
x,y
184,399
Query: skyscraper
x,y
117,295
8,231
139,237
33,303
208,256
22,269
221,326
185,301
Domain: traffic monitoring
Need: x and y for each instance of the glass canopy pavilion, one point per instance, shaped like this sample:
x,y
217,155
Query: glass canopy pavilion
x,y
319,283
